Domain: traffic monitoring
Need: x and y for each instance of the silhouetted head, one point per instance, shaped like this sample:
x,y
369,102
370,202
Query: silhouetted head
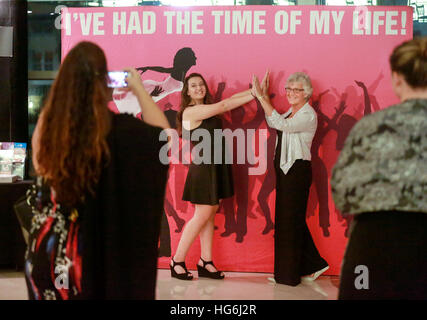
x,y
184,58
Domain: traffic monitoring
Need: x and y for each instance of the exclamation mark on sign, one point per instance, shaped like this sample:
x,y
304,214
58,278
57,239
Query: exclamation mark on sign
x,y
403,31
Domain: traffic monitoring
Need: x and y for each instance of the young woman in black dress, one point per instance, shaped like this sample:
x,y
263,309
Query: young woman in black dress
x,y
206,183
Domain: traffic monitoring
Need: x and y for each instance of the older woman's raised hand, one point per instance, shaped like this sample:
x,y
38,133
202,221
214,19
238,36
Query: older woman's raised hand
x,y
256,87
265,84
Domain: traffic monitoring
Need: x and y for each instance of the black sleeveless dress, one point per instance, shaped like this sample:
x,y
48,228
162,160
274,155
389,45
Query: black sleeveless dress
x,y
207,182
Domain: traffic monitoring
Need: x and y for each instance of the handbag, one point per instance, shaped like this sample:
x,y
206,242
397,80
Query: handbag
x,y
24,209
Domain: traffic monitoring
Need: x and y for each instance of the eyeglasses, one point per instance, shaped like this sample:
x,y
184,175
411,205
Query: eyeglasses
x,y
293,90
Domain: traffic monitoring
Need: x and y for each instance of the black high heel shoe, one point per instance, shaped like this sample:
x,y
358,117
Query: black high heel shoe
x,y
203,272
181,276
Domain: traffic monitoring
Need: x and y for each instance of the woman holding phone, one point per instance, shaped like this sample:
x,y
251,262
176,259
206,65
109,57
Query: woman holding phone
x,y
97,218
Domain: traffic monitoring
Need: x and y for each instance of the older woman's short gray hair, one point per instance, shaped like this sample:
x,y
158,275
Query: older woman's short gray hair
x,y
304,79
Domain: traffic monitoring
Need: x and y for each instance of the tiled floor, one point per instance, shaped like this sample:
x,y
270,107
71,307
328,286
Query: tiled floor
x,y
12,285
236,286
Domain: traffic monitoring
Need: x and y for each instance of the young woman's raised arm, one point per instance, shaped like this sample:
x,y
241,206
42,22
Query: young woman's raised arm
x,y
205,111
157,69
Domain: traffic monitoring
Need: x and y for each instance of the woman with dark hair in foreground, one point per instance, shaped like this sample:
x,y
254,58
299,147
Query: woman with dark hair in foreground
x,y
96,224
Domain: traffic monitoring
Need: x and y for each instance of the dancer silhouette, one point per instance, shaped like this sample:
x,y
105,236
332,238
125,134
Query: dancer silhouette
x,y
183,60
165,239
320,172
345,124
269,183
236,222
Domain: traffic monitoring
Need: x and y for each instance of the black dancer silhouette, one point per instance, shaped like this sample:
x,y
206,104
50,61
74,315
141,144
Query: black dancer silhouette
x,y
171,116
236,222
165,239
269,183
183,60
345,124
320,173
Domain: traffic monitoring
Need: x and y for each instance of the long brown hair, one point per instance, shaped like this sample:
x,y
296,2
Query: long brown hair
x,y
186,99
76,121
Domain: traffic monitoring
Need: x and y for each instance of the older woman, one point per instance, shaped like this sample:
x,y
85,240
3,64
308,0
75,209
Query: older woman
x,y
381,179
295,254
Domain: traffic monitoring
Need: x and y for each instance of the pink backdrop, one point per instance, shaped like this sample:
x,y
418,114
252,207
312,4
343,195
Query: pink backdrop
x,y
348,65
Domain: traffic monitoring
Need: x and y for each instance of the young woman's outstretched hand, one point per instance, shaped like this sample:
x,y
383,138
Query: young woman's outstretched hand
x,y
260,91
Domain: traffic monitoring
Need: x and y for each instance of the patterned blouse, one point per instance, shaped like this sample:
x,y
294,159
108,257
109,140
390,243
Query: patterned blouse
x,y
383,165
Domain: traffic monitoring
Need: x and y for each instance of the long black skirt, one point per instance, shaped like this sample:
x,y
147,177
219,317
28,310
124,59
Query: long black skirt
x,y
295,253
386,257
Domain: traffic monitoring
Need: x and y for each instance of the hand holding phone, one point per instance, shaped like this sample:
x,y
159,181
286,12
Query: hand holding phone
x,y
117,79
133,80
127,80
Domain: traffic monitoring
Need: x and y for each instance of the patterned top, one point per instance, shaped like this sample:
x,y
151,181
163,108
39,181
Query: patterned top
x,y
54,245
383,165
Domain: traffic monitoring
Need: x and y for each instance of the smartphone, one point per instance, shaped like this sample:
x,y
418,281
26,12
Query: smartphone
x,y
117,79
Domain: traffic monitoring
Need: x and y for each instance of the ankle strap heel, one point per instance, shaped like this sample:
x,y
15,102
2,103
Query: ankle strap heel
x,y
205,273
181,276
